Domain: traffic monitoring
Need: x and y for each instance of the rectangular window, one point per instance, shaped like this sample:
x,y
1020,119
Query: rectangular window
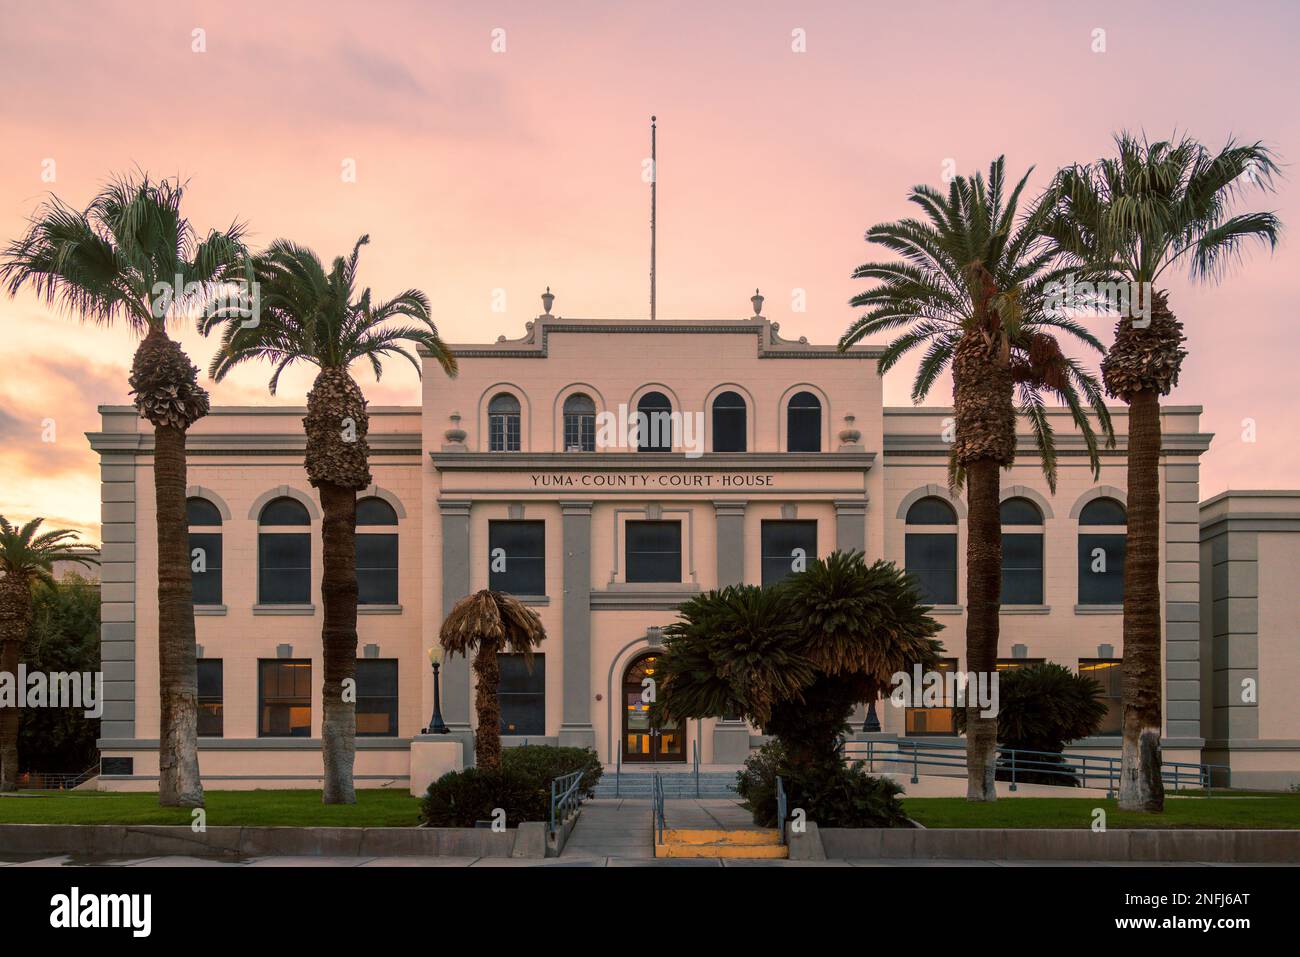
x,y
205,554
1101,569
517,557
284,698
211,724
284,568
1011,664
932,559
377,569
579,432
377,697
1022,568
787,547
503,432
654,551
522,694
937,719
1109,673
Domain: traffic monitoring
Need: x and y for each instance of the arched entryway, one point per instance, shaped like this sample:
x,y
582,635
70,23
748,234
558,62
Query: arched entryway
x,y
641,741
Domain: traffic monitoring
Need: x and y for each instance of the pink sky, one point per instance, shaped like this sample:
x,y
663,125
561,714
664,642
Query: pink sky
x,y
479,171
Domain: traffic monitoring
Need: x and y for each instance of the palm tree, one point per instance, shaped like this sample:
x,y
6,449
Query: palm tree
x,y
131,256
972,285
309,315
795,659
27,556
487,623
1151,207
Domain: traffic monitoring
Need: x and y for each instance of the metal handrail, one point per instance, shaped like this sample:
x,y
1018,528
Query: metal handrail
x,y
618,769
1106,767
56,780
565,798
695,760
781,809
660,814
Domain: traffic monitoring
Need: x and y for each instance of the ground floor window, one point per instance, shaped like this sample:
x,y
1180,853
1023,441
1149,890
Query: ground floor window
x,y
654,551
376,697
211,722
787,547
284,698
1011,664
522,695
934,719
1109,673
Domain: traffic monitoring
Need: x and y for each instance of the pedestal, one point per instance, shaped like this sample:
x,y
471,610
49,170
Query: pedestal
x,y
730,742
432,756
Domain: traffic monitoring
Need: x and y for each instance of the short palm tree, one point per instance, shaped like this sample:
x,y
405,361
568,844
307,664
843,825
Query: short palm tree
x,y
795,659
313,316
973,285
27,557
488,623
131,256
1151,207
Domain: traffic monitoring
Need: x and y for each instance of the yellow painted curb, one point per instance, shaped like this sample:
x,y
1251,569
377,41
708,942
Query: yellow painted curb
x,y
715,836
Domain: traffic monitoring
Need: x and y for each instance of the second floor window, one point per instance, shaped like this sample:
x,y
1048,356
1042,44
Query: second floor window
x,y
654,551
517,557
205,550
503,423
930,549
729,423
654,423
1022,552
1102,546
283,554
376,552
803,423
579,423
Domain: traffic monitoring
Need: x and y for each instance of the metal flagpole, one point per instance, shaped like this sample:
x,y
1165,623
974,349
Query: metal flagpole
x,y
654,176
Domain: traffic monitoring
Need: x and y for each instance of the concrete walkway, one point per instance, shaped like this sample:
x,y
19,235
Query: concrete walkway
x,y
612,828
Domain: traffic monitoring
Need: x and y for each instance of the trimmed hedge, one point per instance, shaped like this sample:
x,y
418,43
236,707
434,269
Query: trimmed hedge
x,y
833,795
521,787
548,763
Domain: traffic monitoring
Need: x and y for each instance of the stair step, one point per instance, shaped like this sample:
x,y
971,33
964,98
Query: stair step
x,y
717,837
729,851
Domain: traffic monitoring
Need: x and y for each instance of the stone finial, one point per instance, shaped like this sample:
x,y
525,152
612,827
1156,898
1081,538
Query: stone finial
x,y
757,301
849,435
548,299
455,435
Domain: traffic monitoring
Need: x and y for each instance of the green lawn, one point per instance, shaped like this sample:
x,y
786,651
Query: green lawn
x,y
374,808
1237,811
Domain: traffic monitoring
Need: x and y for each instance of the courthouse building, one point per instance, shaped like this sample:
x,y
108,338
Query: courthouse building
x,y
504,477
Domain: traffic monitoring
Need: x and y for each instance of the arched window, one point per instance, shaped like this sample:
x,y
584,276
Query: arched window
x,y
1102,529
729,423
204,520
654,423
803,423
503,423
283,556
579,423
1022,552
931,556
376,552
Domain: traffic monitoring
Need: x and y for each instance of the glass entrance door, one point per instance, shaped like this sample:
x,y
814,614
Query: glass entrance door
x,y
641,740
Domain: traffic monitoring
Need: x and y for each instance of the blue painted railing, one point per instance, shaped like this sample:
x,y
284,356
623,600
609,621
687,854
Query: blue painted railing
x,y
781,809
565,797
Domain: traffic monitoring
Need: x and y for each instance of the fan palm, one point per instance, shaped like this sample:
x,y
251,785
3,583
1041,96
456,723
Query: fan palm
x,y
131,256
313,316
488,623
27,557
973,285
1151,207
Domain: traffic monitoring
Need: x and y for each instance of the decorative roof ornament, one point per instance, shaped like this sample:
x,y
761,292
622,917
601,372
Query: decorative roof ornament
x,y
757,301
548,298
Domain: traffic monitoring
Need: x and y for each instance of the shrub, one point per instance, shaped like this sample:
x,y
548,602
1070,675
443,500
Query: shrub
x,y
832,794
463,798
547,763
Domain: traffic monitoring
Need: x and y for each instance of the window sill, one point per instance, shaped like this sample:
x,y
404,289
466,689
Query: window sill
x,y
674,586
534,601
200,610
303,610
379,609
946,610
1099,609
1026,609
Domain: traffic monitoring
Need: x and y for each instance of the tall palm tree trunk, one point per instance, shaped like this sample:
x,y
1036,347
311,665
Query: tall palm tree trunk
x,y
983,585
1141,788
487,736
15,610
339,640
179,784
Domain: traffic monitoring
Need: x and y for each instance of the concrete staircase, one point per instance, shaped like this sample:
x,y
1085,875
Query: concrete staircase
x,y
677,785
742,844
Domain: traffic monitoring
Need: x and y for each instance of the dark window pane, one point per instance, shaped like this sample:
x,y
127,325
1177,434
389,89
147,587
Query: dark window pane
x,y
1020,511
504,402
729,423
376,697
199,511
1103,511
205,553
803,423
522,694
377,569
1101,569
1022,569
932,559
517,557
654,427
284,698
654,551
211,723
931,511
284,511
784,543
503,433
1109,673
284,568
375,511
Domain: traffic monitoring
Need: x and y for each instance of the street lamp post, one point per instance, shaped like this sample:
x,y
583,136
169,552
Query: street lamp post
x,y
436,724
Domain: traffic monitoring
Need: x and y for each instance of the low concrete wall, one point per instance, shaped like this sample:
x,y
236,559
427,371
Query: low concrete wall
x,y
117,840
1051,844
